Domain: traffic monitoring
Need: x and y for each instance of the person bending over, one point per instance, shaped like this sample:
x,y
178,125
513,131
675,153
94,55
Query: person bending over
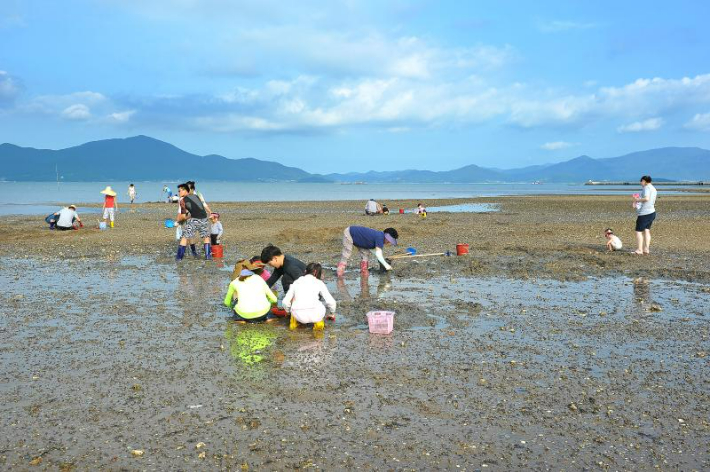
x,y
287,268
366,240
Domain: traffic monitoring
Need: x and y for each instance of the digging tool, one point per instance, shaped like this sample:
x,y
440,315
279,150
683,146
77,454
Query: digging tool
x,y
408,256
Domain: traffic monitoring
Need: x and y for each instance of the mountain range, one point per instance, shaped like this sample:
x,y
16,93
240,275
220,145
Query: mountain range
x,y
142,158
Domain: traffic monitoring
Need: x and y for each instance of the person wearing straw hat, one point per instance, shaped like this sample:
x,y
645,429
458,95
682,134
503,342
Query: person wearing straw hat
x,y
110,204
252,296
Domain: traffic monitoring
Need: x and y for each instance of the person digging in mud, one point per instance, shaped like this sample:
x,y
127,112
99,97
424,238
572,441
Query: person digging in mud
x,y
65,219
366,240
303,299
613,243
249,296
287,268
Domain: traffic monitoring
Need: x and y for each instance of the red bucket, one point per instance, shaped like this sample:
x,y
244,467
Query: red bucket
x,y
218,251
461,249
401,211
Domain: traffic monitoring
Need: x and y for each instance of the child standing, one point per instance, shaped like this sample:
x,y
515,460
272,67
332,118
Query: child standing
x,y
253,297
110,205
132,193
613,243
216,229
303,299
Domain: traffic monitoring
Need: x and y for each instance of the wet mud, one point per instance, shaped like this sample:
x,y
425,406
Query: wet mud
x,y
533,352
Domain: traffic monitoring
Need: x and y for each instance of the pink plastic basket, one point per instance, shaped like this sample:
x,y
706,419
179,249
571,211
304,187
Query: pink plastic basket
x,y
380,322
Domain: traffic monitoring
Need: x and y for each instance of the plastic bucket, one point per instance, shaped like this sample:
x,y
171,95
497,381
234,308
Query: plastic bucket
x,y
401,211
169,223
218,251
102,225
461,249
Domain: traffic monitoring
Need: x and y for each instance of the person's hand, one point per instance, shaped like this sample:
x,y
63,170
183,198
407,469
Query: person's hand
x,y
331,317
81,225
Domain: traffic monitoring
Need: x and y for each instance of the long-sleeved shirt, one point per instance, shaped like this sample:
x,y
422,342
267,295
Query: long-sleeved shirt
x,y
291,270
303,299
254,297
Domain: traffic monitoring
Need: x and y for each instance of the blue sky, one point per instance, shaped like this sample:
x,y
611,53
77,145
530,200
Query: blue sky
x,y
346,85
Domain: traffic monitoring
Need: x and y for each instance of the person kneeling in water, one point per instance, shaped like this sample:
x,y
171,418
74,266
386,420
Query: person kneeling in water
x,y
253,297
303,299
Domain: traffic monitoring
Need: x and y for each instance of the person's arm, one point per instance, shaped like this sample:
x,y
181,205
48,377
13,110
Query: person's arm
x,y
221,230
275,276
228,298
270,295
329,300
288,298
381,258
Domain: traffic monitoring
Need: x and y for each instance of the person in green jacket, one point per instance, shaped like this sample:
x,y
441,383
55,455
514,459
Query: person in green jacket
x,y
253,297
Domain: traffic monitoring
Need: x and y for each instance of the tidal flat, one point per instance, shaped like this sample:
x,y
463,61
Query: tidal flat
x,y
537,350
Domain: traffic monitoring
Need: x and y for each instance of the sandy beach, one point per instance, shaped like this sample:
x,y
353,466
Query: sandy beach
x,y
538,350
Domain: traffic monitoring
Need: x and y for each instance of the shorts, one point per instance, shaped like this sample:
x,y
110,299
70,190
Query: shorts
x,y
194,226
644,222
109,213
214,239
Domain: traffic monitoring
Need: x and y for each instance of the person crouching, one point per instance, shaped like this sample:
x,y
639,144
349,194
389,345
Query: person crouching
x,y
249,296
303,299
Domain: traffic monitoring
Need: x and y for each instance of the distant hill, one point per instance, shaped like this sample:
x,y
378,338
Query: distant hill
x,y
136,158
145,158
672,163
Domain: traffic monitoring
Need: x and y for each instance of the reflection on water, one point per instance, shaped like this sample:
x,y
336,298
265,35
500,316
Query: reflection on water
x,y
384,284
642,295
248,342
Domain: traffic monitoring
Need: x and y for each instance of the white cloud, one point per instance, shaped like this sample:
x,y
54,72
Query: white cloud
x,y
699,122
651,124
120,117
556,26
77,112
9,88
556,145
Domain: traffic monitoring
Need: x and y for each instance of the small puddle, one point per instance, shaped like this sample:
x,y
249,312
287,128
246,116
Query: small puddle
x,y
466,208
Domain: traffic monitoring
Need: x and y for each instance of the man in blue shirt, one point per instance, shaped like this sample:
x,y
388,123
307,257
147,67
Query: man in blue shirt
x,y
366,240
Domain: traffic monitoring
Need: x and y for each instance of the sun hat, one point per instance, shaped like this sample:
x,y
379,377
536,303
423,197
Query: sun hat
x,y
214,214
72,206
245,273
389,238
250,266
108,191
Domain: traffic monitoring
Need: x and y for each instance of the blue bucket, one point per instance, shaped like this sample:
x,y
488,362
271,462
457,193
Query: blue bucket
x,y
169,223
411,251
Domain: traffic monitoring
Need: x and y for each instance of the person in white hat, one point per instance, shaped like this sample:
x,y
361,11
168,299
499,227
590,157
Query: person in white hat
x,y
110,205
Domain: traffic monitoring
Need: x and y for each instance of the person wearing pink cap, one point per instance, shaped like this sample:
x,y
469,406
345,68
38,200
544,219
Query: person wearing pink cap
x,y
366,240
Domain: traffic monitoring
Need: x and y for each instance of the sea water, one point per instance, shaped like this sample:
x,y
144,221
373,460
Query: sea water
x,y
44,197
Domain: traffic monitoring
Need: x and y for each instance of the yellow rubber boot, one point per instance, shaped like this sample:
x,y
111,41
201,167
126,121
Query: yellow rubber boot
x,y
319,326
112,224
293,324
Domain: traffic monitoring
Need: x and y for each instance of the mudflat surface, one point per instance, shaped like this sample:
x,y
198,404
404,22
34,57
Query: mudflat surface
x,y
538,350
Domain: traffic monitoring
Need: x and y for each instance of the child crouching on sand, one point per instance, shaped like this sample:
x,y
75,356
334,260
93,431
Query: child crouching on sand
x,y
613,243
303,299
253,297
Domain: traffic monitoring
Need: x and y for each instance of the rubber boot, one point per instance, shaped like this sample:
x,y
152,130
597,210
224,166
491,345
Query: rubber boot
x,y
180,253
112,224
341,269
208,251
292,324
364,267
319,326
193,249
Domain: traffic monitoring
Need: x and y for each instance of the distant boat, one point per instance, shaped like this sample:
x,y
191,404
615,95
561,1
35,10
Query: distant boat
x,y
537,182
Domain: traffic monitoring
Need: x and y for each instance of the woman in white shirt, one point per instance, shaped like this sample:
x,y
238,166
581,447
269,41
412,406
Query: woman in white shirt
x,y
303,299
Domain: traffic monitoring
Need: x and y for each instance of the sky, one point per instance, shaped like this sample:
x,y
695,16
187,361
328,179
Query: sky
x,y
345,85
